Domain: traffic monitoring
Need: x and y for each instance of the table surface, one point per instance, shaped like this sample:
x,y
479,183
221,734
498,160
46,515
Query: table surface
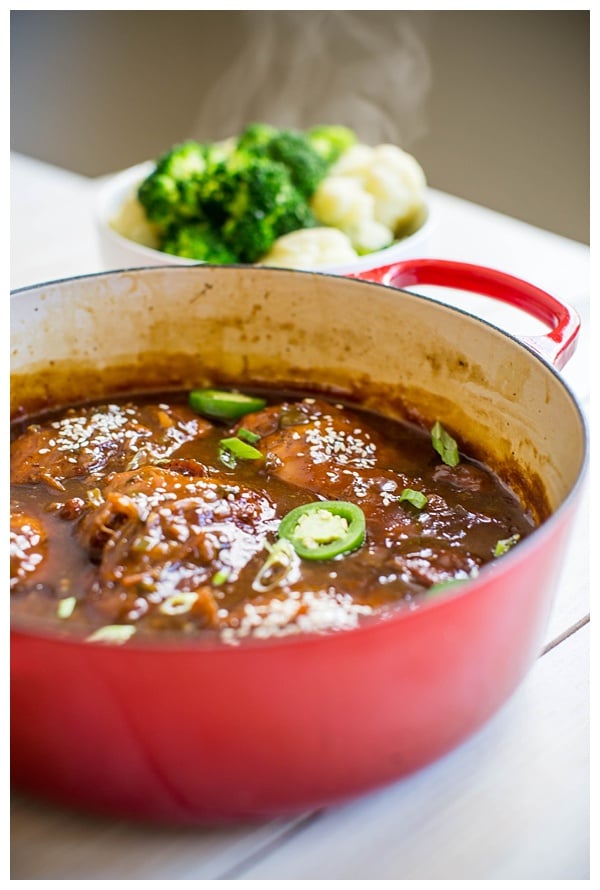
x,y
512,802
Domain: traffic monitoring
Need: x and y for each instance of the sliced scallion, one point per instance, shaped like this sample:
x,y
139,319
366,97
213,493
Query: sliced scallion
x,y
416,498
178,603
66,607
220,577
443,586
248,435
445,445
280,567
505,545
114,634
233,449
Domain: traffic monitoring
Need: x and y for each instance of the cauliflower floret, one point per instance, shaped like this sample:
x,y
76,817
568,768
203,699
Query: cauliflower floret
x,y
343,202
370,235
311,249
354,161
131,222
397,182
372,194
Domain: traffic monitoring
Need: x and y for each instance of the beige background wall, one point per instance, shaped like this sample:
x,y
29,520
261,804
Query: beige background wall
x,y
495,104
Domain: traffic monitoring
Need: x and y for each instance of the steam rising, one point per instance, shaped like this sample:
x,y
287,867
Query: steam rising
x,y
369,71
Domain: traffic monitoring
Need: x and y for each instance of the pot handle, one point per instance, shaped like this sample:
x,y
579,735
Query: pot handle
x,y
557,346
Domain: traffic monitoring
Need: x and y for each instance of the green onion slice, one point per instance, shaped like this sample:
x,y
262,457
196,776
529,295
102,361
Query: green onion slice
x,y
66,607
115,634
248,435
224,405
442,586
178,603
279,568
233,449
445,445
324,529
416,498
220,577
505,544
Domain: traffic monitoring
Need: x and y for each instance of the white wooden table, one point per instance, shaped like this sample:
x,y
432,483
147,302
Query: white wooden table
x,y
510,803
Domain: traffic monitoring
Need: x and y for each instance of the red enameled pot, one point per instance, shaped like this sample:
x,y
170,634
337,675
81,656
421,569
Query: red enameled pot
x,y
200,732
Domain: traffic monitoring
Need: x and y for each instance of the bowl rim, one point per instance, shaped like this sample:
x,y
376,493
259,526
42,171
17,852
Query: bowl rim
x,y
114,188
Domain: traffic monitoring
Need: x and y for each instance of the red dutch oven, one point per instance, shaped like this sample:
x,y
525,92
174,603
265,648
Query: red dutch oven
x,y
199,731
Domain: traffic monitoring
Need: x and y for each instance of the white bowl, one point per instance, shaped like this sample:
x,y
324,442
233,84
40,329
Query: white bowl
x,y
119,252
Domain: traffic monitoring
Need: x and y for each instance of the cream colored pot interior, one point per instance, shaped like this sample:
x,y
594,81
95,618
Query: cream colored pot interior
x,y
398,353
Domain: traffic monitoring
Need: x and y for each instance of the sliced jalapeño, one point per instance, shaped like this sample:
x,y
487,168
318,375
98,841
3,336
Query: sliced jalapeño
x,y
324,529
223,404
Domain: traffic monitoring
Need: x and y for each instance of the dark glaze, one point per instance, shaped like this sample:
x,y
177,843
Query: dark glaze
x,y
131,512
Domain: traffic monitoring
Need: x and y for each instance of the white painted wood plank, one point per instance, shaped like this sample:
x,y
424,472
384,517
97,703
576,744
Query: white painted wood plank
x,y
510,803
53,234
572,598
54,844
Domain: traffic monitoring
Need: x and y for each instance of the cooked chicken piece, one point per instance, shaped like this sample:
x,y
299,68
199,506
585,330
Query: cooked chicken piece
x,y
434,564
317,446
28,546
110,437
161,538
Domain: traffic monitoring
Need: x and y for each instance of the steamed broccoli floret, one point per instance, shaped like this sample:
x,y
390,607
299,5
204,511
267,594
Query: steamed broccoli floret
x,y
197,241
169,193
249,236
331,141
183,160
159,196
255,139
295,215
265,205
215,192
292,148
306,166
230,202
259,185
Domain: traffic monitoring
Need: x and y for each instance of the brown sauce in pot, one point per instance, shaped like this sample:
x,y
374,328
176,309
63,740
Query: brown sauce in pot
x,y
133,515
